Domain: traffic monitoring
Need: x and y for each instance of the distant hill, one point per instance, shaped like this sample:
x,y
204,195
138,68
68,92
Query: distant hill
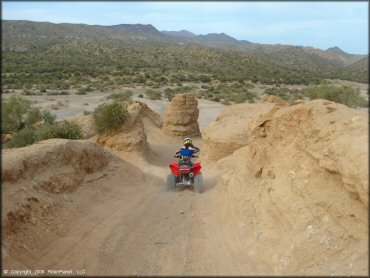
x,y
29,36
180,34
336,50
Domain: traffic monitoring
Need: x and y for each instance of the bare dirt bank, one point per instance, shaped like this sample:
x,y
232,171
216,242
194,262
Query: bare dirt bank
x,y
291,200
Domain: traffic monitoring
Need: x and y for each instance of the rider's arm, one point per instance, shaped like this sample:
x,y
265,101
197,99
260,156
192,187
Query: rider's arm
x,y
196,149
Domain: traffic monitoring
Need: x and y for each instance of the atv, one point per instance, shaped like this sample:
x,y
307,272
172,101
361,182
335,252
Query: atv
x,y
185,173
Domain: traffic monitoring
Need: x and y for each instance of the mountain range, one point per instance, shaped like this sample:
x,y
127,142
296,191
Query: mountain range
x,y
25,36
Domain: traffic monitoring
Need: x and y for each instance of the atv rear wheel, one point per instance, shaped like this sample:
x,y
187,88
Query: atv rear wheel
x,y
198,183
171,182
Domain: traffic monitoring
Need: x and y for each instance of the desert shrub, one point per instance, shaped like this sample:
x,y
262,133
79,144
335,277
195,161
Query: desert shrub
x,y
285,93
346,95
28,92
169,93
81,91
153,95
239,98
34,115
64,130
249,85
52,93
14,112
122,96
141,96
110,116
68,130
204,78
22,138
47,131
48,117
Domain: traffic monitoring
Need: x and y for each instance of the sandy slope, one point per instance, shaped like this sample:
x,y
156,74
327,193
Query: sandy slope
x,y
126,223
123,222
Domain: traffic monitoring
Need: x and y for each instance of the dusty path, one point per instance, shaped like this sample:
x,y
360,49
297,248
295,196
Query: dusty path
x,y
127,224
122,221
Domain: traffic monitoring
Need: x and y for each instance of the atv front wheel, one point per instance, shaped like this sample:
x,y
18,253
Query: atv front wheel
x,y
171,182
198,183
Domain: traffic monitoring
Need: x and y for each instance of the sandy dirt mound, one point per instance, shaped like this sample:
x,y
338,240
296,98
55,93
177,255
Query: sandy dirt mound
x,y
146,112
181,116
230,130
131,136
297,194
87,125
33,174
290,201
273,99
137,109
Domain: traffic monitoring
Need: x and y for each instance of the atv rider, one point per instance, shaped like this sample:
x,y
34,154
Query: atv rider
x,y
184,154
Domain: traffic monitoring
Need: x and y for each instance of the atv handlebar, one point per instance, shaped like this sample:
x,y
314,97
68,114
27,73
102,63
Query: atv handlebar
x,y
180,156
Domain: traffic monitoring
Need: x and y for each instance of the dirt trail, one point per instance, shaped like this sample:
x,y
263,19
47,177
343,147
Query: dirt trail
x,y
122,221
140,228
127,224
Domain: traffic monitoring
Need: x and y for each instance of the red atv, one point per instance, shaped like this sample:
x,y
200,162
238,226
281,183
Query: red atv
x,y
185,173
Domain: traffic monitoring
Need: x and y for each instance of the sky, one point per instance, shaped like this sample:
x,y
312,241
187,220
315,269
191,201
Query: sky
x,y
317,24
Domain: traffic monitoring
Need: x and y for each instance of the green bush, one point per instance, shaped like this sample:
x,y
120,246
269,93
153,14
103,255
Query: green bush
x,y
22,138
34,115
346,95
123,96
64,130
153,95
141,96
285,93
68,130
47,131
110,116
14,113
81,91
48,117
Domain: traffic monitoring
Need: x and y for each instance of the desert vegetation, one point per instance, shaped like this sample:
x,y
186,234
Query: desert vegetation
x,y
29,124
341,94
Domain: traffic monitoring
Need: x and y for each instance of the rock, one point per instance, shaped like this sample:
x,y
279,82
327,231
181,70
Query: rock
x,y
273,99
145,111
181,116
